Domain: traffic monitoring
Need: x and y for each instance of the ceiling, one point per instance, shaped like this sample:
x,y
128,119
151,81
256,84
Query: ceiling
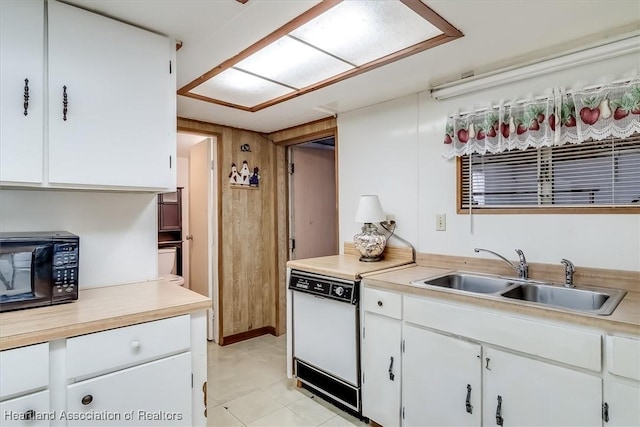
x,y
497,33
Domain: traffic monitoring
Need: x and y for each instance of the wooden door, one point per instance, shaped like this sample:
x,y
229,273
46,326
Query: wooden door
x,y
21,57
534,393
313,202
439,374
382,367
203,262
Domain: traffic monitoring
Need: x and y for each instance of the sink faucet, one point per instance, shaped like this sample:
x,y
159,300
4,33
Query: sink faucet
x,y
569,269
522,268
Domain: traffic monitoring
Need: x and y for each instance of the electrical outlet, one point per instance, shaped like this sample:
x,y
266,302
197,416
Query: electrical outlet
x,y
441,222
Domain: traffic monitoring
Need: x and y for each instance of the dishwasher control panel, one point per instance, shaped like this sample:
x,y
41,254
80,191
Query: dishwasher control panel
x,y
324,286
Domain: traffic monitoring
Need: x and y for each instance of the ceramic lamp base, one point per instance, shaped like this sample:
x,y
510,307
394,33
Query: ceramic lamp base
x,y
370,243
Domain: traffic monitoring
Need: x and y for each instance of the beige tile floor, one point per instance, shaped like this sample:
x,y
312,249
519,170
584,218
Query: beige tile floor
x,y
248,386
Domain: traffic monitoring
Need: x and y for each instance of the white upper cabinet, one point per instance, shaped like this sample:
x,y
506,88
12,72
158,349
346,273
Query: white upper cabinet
x,y
115,126
21,118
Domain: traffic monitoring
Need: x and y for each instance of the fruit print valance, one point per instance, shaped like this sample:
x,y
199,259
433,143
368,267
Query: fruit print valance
x,y
556,119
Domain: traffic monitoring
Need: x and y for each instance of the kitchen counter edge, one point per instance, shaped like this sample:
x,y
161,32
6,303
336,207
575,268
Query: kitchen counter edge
x,y
99,309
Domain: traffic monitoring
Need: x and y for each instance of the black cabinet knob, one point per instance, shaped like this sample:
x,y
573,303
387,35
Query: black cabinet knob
x,y
29,415
86,400
379,303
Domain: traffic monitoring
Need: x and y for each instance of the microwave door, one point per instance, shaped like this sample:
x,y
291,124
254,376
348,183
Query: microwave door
x,y
20,268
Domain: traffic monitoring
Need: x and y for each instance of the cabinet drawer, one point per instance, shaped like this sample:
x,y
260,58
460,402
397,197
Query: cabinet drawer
x,y
623,355
563,344
383,302
101,352
24,369
31,410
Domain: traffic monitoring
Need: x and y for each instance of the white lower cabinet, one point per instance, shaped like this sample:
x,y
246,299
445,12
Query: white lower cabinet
x,y
519,391
441,379
456,365
31,410
621,406
382,367
153,394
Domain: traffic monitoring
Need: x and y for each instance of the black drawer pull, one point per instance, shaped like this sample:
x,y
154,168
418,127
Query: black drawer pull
x,y
65,103
29,415
468,404
86,400
379,303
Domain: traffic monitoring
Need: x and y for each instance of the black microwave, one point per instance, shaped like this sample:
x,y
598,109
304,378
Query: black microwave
x,y
38,269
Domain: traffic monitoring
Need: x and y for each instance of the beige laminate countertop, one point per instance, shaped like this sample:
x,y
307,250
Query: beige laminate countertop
x,y
345,266
625,318
99,309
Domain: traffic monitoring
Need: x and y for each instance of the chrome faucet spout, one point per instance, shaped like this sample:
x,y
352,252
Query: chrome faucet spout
x,y
569,269
522,268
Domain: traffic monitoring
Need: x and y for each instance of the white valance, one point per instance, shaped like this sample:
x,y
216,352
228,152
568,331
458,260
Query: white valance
x,y
554,119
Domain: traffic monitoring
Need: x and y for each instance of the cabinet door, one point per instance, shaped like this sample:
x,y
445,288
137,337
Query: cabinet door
x,y
154,394
534,393
439,375
21,57
119,124
622,401
31,410
382,368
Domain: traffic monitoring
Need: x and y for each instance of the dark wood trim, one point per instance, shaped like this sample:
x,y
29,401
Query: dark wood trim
x,y
215,101
294,127
308,137
191,130
232,339
450,33
242,1
433,17
265,41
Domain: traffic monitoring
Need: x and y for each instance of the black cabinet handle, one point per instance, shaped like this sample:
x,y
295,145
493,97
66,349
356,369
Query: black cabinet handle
x,y
499,419
29,415
605,412
391,374
86,400
468,401
26,96
487,366
379,303
65,103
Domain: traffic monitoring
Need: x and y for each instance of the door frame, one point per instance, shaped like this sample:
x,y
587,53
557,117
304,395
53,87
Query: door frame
x,y
288,158
215,288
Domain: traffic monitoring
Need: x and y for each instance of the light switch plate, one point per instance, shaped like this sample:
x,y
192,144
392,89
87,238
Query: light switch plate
x,y
441,222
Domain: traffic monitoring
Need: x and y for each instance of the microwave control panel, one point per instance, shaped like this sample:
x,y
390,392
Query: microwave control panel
x,y
65,270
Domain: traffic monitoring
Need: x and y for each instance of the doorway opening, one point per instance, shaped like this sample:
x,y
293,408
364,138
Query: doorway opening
x,y
196,163
313,203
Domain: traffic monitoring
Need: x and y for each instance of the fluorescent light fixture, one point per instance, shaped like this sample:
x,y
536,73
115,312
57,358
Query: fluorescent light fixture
x,y
332,41
558,63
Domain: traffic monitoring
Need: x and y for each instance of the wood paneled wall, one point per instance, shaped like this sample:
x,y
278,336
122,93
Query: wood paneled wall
x,y
253,226
248,242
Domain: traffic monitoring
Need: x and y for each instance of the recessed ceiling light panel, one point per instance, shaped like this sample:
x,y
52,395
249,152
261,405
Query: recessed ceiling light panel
x,y
361,31
293,63
332,41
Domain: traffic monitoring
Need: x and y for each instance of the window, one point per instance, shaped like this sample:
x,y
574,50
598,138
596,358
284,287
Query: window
x,y
591,177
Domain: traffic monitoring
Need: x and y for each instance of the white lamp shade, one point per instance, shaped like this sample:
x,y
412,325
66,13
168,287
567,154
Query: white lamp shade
x,y
370,210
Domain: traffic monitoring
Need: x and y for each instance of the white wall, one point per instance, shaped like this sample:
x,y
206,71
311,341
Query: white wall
x,y
377,154
118,231
415,182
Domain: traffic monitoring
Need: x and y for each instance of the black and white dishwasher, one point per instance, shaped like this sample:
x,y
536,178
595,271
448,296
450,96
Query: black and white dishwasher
x,y
326,335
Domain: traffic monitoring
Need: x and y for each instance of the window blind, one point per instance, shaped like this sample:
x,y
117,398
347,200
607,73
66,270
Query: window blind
x,y
590,174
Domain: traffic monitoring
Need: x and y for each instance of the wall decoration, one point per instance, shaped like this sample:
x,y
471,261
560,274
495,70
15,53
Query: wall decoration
x,y
244,178
557,118
245,148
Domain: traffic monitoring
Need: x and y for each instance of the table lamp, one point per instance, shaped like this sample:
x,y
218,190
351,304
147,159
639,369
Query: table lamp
x,y
370,243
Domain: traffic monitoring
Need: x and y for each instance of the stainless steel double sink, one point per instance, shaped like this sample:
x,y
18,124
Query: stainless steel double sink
x,y
599,301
